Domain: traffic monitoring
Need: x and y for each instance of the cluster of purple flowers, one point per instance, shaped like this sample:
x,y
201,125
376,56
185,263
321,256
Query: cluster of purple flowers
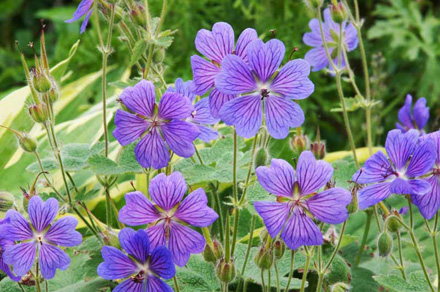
x,y
412,166
22,241
317,57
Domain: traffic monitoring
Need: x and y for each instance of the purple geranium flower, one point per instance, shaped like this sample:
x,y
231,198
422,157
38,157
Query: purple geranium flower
x,y
154,125
215,45
264,88
201,116
84,8
5,243
168,215
298,201
416,118
429,204
317,56
143,266
409,159
42,237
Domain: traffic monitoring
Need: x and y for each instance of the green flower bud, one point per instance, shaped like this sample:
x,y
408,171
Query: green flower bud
x,y
158,56
6,201
263,235
314,4
340,287
27,143
385,244
299,143
264,258
40,82
279,248
39,112
393,225
54,93
261,157
137,14
225,271
214,253
339,12
354,204
110,237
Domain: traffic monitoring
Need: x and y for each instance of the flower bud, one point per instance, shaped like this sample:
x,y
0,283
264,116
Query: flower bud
x,y
279,248
340,287
261,157
39,112
137,14
393,224
263,235
6,201
354,204
225,271
26,197
27,143
314,4
318,149
264,258
54,93
110,237
214,253
385,244
158,56
299,143
40,82
338,12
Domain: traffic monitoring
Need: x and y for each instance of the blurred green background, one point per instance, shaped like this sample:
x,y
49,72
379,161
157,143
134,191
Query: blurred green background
x,y
402,42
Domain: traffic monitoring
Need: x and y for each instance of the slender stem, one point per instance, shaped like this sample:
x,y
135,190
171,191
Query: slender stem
x,y
198,155
46,284
364,238
249,247
332,257
376,216
306,269
245,285
37,277
433,234
219,211
227,239
72,181
176,284
21,287
268,280
278,276
263,285
207,237
251,166
320,280
399,244
162,18
292,261
411,215
235,193
338,72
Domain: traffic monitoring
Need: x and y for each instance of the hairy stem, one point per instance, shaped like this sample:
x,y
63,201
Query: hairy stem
x,y
292,262
364,238
399,244
306,268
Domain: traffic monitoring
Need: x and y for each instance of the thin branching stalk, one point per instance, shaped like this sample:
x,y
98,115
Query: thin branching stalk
x,y
433,233
292,262
399,245
364,238
306,268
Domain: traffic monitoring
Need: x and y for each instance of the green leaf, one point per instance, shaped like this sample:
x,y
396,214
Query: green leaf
x,y
49,164
197,276
128,162
58,70
163,42
102,165
83,195
139,48
416,282
85,286
343,172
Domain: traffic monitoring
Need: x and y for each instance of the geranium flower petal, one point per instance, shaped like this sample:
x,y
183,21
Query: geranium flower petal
x,y
317,58
278,179
312,174
183,241
216,101
135,243
203,114
400,146
138,210
161,263
423,158
377,168
128,127
421,113
174,105
281,115
41,214
180,136
301,230
292,80
157,234
21,256
235,77
155,284
429,203
265,58
52,258
246,37
167,191
330,206
82,9
204,74
116,265
131,286
151,151
140,99
19,228
63,232
216,44
245,113
194,210
274,215
373,194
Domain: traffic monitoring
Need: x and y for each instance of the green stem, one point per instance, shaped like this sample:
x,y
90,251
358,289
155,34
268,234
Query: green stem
x,y
227,240
338,72
411,215
234,235
399,244
21,287
292,261
433,234
37,277
364,238
207,236
268,280
176,284
376,216
249,247
251,166
277,275
198,155
219,211
235,193
263,285
306,269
